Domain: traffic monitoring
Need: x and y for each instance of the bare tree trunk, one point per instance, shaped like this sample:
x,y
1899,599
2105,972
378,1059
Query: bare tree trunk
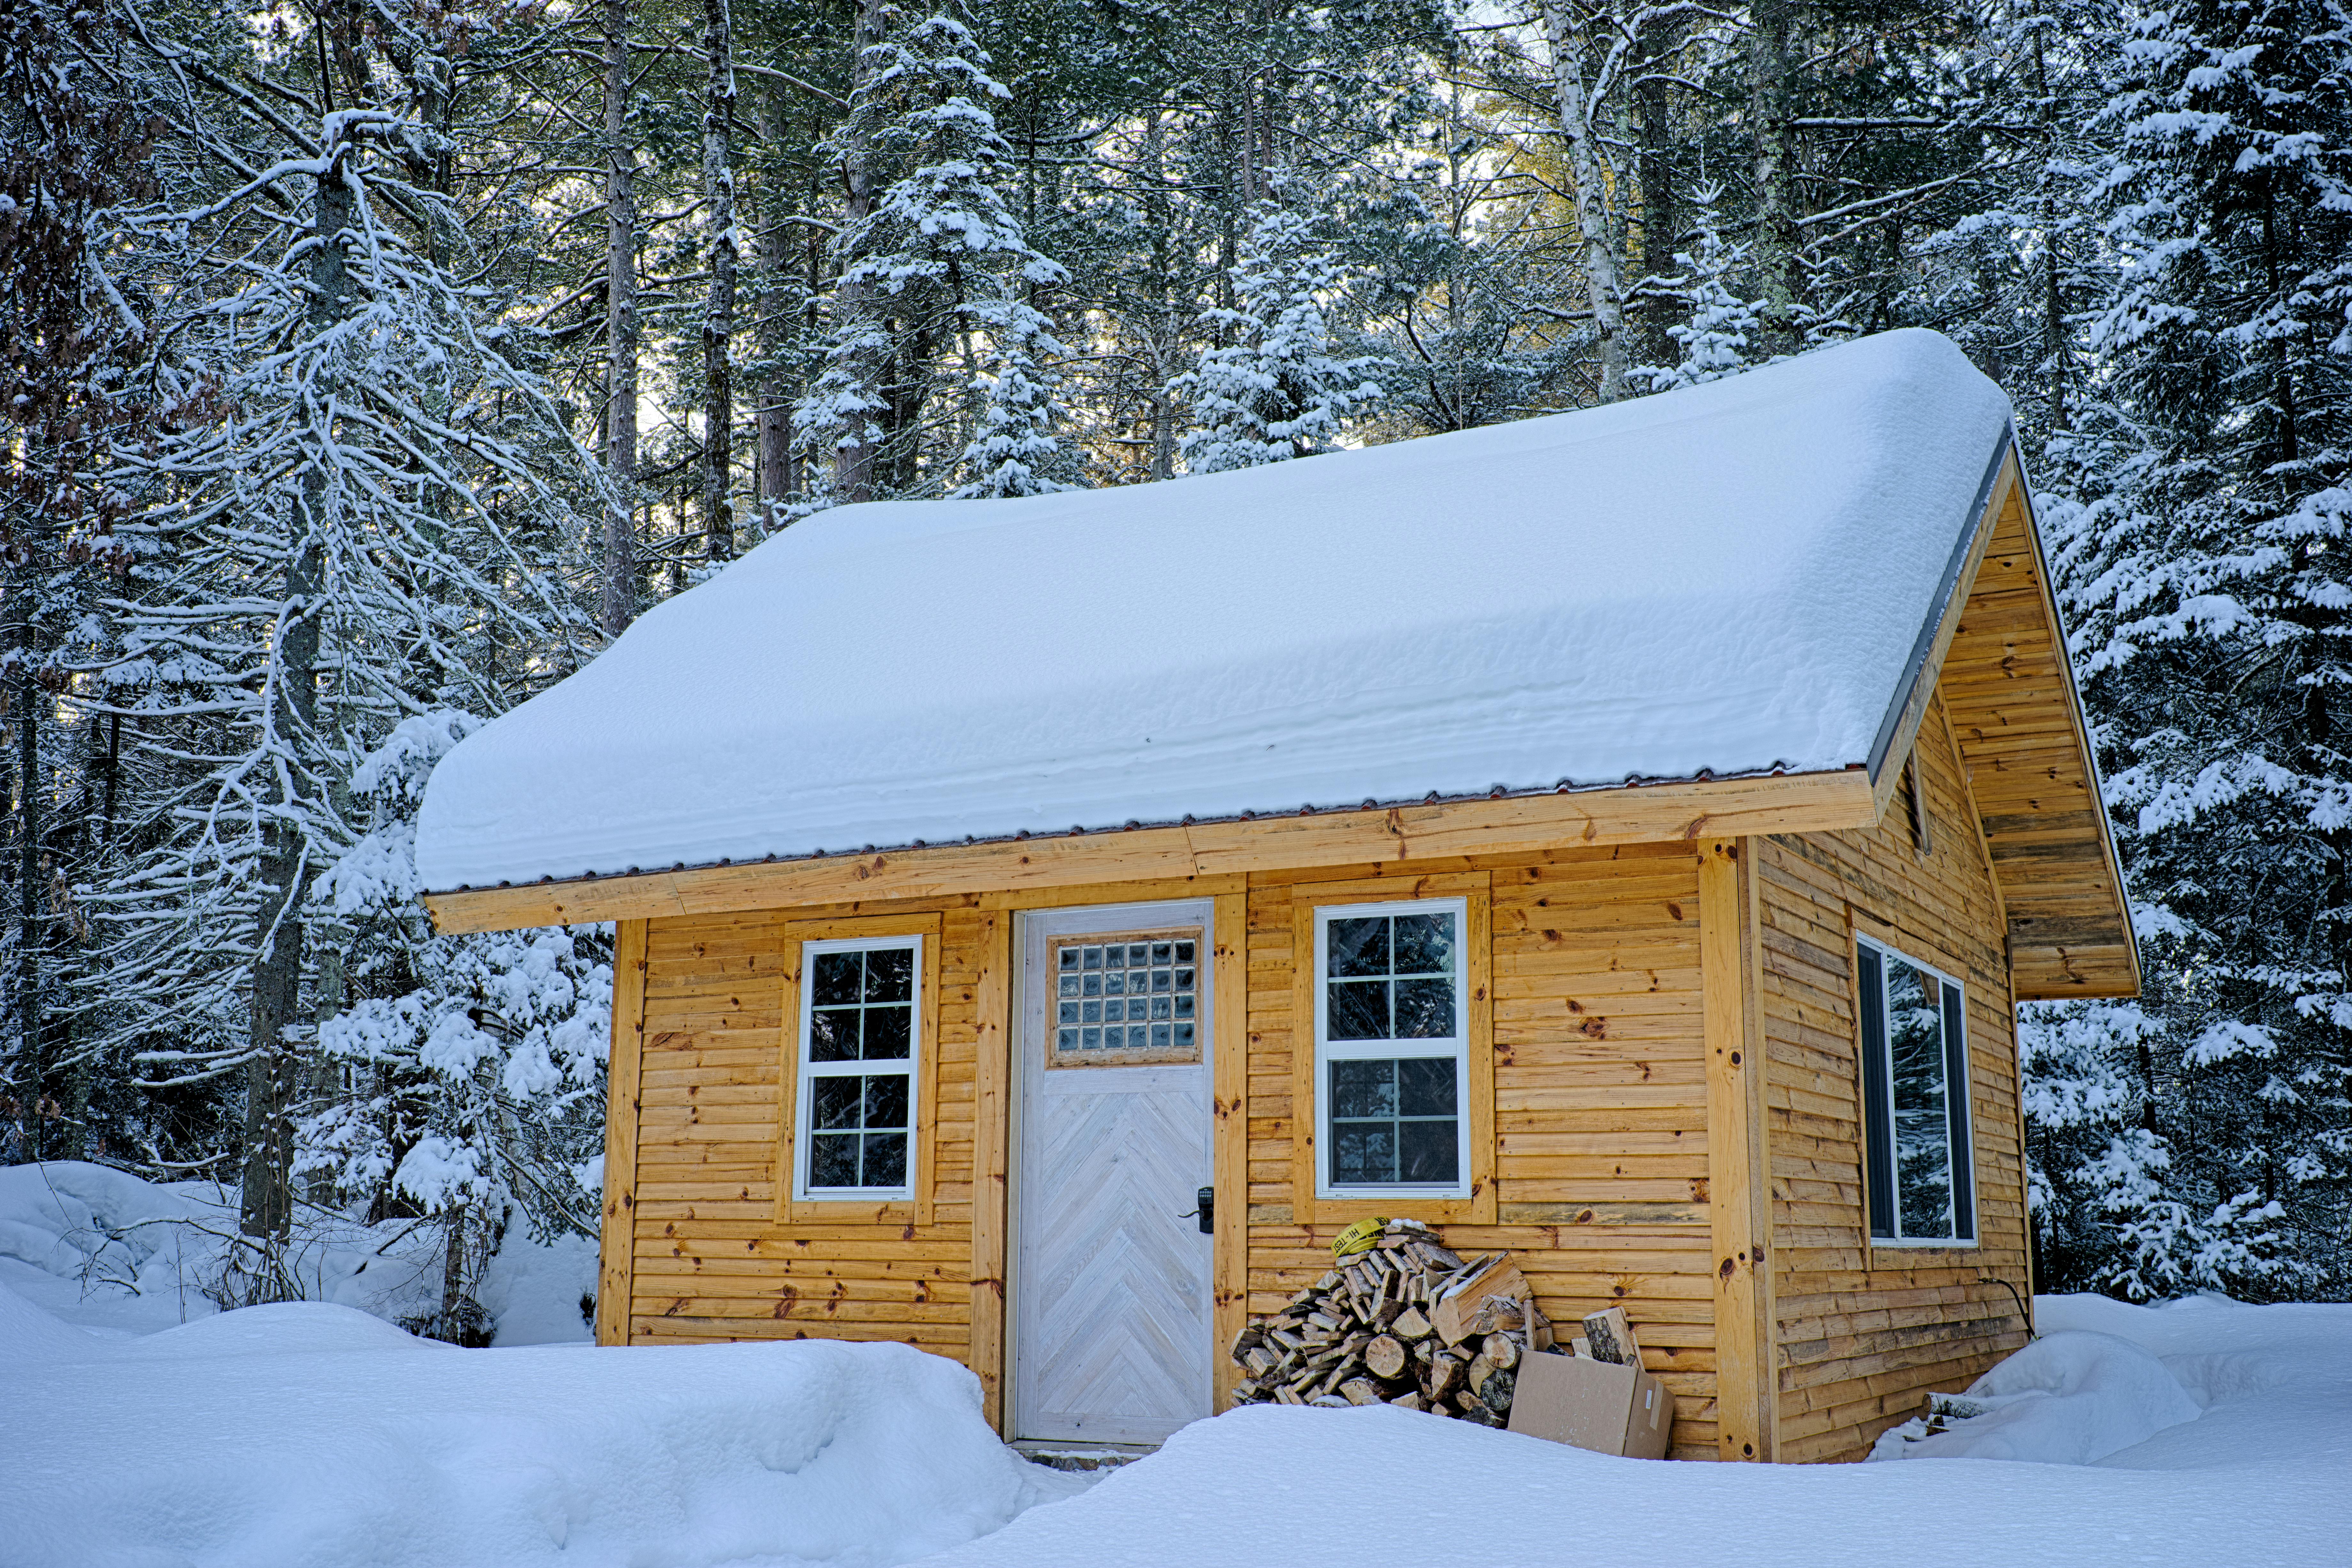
x,y
778,478
27,694
1601,279
719,315
855,459
2053,309
1661,211
292,698
1776,207
617,602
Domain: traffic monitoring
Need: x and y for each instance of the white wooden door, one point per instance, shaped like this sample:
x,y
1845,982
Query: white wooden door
x,y
1111,1285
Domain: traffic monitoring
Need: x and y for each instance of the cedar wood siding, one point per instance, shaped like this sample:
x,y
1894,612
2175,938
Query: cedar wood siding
x,y
1600,1116
711,1260
1600,1102
1865,1331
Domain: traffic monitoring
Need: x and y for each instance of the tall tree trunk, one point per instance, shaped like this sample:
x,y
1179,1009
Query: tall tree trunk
x,y
2053,308
1661,221
617,601
1600,279
719,315
854,459
778,478
1776,206
27,694
292,711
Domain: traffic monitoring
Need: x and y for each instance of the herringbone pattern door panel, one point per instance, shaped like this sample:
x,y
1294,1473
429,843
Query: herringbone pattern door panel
x,y
1112,1308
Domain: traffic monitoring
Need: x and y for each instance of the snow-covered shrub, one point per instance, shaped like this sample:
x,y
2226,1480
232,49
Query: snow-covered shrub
x,y
463,1079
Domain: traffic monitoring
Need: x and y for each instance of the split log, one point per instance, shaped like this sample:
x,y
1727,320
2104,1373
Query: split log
x,y
1612,1338
1361,1391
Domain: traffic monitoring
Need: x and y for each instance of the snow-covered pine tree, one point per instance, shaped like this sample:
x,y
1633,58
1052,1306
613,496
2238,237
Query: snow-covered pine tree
x,y
464,1081
2200,552
1275,388
364,516
931,305
1724,332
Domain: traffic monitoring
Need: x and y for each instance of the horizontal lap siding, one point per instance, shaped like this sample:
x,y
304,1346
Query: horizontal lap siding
x,y
1864,1333
712,1262
1600,1102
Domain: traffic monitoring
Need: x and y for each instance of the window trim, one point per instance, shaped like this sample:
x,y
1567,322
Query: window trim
x,y
1877,1102
795,1203
1456,1049
1312,1199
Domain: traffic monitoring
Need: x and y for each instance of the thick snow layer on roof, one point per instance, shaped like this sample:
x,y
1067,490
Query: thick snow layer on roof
x,y
1730,577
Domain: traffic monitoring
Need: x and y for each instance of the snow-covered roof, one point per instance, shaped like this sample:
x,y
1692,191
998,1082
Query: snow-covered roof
x,y
1731,578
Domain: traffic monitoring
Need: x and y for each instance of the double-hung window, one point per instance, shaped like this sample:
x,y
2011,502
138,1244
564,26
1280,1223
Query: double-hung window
x,y
860,1026
1391,1049
1915,1074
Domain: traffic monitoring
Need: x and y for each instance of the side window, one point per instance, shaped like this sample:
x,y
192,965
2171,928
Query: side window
x,y
1391,1049
1918,1155
859,1026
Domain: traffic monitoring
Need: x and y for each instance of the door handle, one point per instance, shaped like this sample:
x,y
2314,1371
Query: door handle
x,y
1205,1205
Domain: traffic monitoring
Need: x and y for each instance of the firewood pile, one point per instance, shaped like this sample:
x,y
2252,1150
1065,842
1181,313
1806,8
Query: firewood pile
x,y
1406,1323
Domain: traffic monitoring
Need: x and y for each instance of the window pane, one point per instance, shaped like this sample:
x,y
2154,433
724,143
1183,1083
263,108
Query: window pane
x,y
1360,947
885,1100
837,978
833,1161
1426,1086
1424,1010
891,975
832,1101
1363,1152
1358,1010
1427,1152
1915,1039
833,1035
888,1032
1363,1089
885,1160
1424,945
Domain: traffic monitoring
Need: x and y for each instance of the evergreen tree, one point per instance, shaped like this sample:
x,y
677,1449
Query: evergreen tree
x,y
1722,334
933,284
465,1082
2201,559
1275,389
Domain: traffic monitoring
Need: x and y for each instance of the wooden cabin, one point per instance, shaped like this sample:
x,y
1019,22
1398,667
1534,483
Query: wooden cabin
x,y
1621,837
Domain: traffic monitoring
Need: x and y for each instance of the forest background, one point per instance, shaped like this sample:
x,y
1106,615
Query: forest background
x,y
369,363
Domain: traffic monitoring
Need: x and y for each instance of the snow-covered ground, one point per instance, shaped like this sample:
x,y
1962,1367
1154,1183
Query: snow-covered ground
x,y
2256,1475
140,1426
108,1252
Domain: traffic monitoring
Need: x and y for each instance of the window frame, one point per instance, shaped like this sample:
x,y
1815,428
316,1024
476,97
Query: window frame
x,y
795,1202
1880,1172
1456,1049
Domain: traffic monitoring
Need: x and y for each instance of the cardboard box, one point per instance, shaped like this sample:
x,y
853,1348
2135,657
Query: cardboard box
x,y
1592,1405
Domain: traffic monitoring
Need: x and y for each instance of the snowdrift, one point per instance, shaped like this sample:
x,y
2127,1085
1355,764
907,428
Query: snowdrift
x,y
108,1252
2256,1480
311,1436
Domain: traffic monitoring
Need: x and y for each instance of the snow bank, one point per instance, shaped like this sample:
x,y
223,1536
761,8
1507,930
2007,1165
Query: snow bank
x,y
112,1254
314,1436
2066,1399
2257,1480
1730,577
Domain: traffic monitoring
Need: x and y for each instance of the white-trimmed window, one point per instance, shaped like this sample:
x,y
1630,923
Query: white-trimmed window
x,y
1391,1049
1919,1156
861,1004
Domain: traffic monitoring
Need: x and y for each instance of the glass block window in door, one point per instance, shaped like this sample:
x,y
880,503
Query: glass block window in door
x,y
859,1031
1124,998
